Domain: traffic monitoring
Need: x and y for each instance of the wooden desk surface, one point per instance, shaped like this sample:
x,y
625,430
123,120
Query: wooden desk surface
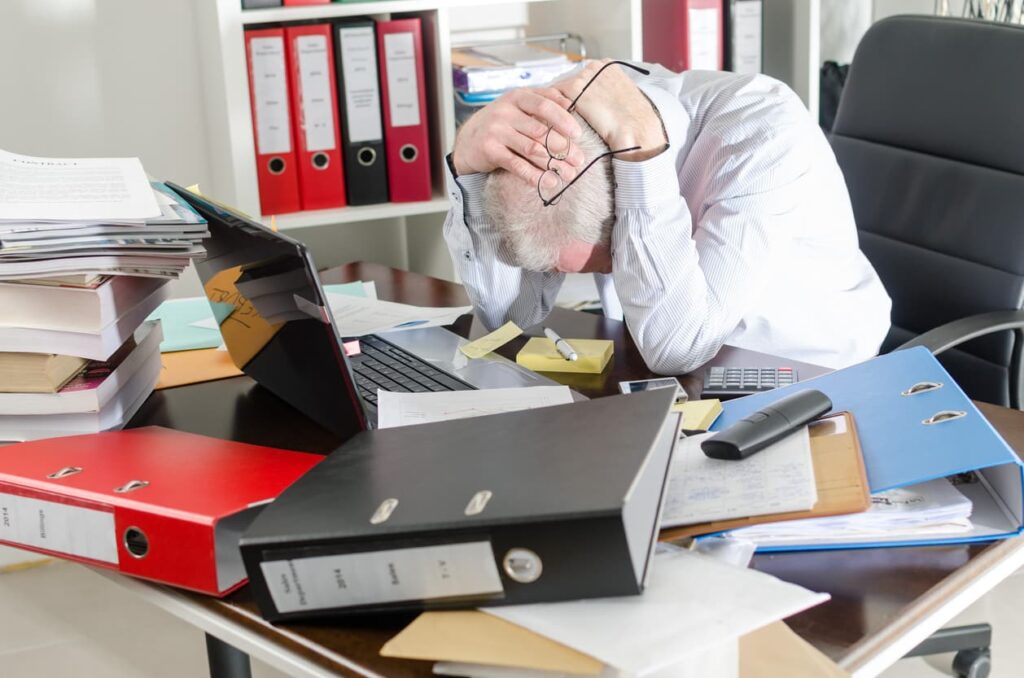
x,y
871,589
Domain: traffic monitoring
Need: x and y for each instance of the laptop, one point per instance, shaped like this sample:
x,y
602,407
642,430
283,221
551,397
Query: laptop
x,y
273,313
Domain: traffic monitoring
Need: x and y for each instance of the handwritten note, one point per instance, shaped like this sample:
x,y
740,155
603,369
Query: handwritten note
x,y
492,341
778,479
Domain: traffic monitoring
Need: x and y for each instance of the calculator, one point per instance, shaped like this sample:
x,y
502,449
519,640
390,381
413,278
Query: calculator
x,y
732,382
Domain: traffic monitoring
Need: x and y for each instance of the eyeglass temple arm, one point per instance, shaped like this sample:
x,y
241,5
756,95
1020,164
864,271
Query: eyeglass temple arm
x,y
556,196
638,69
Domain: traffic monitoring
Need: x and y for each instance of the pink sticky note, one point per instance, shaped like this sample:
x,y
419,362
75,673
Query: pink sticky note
x,y
351,347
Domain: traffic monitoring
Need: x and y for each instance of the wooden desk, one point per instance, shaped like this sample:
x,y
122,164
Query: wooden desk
x,y
884,601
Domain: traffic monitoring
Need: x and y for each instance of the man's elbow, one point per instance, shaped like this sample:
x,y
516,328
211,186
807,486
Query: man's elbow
x,y
675,358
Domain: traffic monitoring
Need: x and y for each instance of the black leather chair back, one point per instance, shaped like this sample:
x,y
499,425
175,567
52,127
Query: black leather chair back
x,y
930,136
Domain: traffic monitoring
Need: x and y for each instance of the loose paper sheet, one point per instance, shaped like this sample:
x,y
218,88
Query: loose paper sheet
x,y
489,342
691,602
74,189
778,479
356,316
405,409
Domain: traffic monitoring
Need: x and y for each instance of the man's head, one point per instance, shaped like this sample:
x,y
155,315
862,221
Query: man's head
x,y
574,234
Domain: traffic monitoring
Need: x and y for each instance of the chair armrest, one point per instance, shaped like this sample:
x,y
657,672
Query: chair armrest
x,y
957,332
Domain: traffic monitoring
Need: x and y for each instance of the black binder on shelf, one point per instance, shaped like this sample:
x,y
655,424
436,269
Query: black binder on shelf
x,y
366,175
260,4
556,503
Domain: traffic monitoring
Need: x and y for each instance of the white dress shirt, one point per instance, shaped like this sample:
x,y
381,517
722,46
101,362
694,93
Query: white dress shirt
x,y
740,233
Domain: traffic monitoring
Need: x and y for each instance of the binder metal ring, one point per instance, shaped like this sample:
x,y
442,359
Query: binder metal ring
x,y
64,472
408,153
944,415
366,156
922,387
275,165
320,161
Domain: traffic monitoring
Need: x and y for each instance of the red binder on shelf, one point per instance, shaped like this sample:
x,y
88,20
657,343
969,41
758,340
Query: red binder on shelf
x,y
406,130
276,171
683,35
315,111
150,502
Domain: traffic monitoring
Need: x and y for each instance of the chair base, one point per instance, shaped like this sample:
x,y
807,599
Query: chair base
x,y
971,643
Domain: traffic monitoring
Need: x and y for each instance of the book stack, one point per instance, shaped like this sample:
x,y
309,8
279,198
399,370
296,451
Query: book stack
x,y
86,249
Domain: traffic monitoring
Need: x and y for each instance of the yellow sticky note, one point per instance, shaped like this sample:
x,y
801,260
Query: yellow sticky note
x,y
273,223
540,355
699,415
194,188
492,341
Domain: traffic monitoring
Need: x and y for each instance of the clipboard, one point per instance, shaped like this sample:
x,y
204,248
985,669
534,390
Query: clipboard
x,y
839,472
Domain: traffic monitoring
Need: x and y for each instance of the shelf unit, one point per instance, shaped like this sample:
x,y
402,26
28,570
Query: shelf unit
x,y
610,28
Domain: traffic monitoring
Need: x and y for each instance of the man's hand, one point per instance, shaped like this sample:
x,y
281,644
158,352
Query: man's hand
x,y
617,110
509,134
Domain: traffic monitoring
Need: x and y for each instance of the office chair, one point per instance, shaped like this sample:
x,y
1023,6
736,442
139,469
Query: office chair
x,y
930,136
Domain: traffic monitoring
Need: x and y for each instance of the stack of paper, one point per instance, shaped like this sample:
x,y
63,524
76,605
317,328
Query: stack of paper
x,y
934,508
693,611
89,216
86,247
496,68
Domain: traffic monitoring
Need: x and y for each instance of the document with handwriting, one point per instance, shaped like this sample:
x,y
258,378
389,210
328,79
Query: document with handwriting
x,y
778,479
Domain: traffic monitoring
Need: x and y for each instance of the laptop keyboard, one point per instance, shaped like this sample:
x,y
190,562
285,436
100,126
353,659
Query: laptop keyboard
x,y
383,366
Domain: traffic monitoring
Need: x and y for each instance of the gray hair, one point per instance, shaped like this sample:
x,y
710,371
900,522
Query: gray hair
x,y
534,235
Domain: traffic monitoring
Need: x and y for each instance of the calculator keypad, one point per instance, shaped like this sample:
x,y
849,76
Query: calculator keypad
x,y
737,381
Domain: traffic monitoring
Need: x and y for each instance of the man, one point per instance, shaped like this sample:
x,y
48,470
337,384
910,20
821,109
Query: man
x,y
720,217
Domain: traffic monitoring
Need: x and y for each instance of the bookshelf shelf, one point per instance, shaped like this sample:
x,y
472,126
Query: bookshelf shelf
x,y
347,9
348,215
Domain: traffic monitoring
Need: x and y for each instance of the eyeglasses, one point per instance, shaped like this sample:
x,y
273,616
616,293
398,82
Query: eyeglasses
x,y
552,173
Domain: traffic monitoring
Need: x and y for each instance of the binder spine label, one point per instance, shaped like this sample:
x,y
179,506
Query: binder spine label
x,y
362,92
54,526
270,92
403,87
374,577
704,39
315,80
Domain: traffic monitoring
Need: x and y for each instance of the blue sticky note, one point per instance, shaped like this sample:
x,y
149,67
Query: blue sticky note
x,y
352,289
176,317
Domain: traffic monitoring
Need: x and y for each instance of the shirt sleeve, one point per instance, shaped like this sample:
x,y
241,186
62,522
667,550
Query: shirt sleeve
x,y
499,290
684,288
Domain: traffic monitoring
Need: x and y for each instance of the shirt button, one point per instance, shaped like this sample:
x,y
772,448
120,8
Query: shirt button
x,y
467,255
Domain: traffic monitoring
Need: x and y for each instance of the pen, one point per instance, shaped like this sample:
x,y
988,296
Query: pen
x,y
561,345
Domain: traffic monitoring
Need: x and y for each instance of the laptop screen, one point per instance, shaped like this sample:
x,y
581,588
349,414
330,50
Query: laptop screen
x,y
267,299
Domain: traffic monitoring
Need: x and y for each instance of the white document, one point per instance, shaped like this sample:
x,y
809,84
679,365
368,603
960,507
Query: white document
x,y
317,89
692,602
705,36
356,316
74,189
405,409
746,37
777,479
931,509
403,87
362,91
270,95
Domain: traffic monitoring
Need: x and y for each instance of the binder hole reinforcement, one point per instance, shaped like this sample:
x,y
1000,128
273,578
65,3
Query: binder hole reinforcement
x,y
321,161
409,153
522,565
922,387
136,542
275,165
944,415
366,156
